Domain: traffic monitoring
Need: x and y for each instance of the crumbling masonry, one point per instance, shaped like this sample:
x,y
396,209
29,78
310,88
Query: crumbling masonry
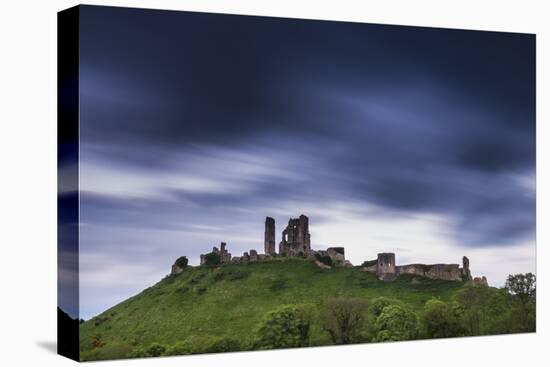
x,y
296,241
385,268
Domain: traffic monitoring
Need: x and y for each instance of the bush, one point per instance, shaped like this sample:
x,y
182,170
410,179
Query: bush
x,y
285,327
441,320
396,323
327,260
212,259
182,262
139,352
181,348
221,345
97,342
344,319
155,350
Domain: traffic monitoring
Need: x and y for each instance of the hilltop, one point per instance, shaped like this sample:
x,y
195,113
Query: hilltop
x,y
230,300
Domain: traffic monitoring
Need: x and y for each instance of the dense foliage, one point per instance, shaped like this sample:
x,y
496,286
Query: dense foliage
x,y
344,319
441,320
285,327
396,323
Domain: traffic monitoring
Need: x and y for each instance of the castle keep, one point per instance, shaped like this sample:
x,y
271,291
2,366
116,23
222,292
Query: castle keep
x,y
296,242
296,237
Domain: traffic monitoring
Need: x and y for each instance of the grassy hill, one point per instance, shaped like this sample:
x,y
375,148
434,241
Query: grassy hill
x,y
230,300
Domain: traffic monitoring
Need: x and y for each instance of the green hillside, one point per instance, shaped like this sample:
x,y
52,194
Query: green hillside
x,y
230,301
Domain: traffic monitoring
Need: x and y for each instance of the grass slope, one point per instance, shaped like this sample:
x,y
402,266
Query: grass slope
x,y
230,300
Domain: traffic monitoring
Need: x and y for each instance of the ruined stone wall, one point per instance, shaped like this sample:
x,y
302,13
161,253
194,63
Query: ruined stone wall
x,y
386,269
436,271
336,254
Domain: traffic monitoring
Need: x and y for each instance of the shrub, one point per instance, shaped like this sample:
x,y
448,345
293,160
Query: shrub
x,y
221,345
285,327
344,319
396,323
201,290
155,350
182,262
139,352
212,259
97,342
327,260
181,348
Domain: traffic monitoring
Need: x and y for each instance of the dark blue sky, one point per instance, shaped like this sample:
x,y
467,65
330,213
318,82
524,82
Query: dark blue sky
x,y
194,127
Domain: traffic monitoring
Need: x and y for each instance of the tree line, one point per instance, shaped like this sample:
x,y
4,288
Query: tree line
x,y
474,310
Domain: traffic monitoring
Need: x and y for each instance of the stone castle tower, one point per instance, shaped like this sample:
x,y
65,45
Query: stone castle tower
x,y
386,266
269,242
296,239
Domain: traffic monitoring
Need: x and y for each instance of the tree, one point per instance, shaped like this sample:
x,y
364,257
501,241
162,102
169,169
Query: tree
x,y
396,323
523,289
212,259
285,327
441,320
378,304
182,262
474,301
486,310
344,318
523,286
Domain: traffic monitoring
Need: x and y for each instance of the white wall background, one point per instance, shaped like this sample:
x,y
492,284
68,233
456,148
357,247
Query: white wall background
x,y
28,181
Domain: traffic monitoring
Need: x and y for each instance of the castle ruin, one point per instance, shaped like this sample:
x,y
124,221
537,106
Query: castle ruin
x,y
296,242
385,268
225,256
